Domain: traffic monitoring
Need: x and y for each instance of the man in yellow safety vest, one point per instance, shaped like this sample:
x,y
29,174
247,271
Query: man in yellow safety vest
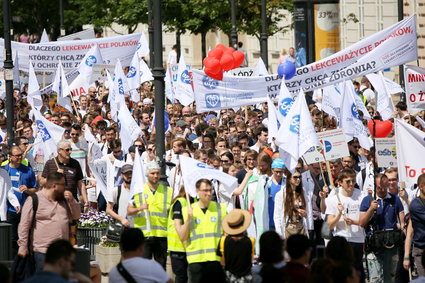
x,y
203,234
154,201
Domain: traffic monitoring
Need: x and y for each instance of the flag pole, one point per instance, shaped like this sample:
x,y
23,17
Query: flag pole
x,y
146,214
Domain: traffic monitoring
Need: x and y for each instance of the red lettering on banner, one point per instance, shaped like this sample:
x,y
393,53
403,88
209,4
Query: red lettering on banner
x,y
416,78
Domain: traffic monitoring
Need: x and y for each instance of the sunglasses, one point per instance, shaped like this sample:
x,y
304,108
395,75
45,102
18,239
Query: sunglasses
x,y
67,149
348,182
75,135
296,177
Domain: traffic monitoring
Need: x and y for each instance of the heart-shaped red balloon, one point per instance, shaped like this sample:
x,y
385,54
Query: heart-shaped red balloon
x,y
382,128
227,61
216,76
239,58
213,64
220,46
217,53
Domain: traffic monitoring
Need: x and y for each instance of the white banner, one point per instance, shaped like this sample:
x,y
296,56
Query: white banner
x,y
333,146
232,91
46,56
242,72
414,78
386,153
410,144
399,39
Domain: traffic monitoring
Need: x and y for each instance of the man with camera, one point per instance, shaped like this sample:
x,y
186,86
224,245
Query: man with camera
x,y
383,215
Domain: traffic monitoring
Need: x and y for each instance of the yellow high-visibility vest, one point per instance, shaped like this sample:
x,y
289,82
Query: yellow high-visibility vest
x,y
158,207
205,233
173,240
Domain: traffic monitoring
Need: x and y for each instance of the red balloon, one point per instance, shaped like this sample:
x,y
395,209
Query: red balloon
x,y
220,46
227,62
216,76
213,64
217,53
382,128
239,57
229,50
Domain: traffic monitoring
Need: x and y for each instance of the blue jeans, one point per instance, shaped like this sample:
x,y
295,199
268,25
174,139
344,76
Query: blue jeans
x,y
382,265
39,260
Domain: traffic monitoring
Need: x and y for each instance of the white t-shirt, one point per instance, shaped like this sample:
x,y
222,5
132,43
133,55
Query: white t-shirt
x,y
351,205
141,269
172,57
123,204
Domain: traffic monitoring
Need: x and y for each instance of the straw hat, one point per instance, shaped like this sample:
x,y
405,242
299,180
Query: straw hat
x,y
236,222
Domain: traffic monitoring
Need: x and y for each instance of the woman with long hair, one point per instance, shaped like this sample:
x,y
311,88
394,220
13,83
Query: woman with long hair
x,y
290,212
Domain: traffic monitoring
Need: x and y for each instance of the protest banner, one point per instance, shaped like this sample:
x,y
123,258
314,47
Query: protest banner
x,y
242,72
46,56
399,39
410,144
2,85
386,153
333,146
415,88
232,91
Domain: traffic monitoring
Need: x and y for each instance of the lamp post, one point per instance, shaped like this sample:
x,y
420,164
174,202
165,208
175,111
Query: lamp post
x,y
264,35
158,74
150,31
62,28
400,9
233,32
8,71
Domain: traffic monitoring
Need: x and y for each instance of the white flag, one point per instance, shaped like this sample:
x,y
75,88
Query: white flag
x,y
260,69
392,87
129,130
133,77
193,170
143,46
272,123
93,56
44,37
120,84
50,133
184,91
169,90
34,97
60,86
410,145
285,101
88,135
112,97
100,170
297,134
138,178
350,118
332,98
385,105
145,72
16,77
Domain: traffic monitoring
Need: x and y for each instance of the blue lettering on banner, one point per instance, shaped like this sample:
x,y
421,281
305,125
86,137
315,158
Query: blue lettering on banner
x,y
354,112
295,124
91,60
209,83
203,165
284,106
212,100
185,77
43,131
120,87
131,72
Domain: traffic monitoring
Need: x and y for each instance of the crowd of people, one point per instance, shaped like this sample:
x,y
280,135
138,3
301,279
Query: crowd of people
x,y
351,223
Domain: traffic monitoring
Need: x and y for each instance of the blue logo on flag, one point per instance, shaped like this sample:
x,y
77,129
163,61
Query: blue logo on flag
x,y
185,77
91,60
120,87
295,124
131,72
203,165
212,100
328,146
209,83
43,131
138,46
285,105
141,73
354,112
